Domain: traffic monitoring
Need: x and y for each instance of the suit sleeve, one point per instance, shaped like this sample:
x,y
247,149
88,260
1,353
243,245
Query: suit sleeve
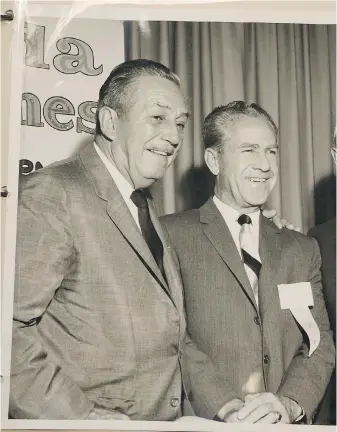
x,y
306,378
39,388
206,389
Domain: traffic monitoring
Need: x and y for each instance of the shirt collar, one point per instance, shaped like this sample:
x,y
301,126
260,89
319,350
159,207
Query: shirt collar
x,y
231,215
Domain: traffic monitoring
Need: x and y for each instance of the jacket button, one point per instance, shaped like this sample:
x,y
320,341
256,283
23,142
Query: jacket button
x,y
175,402
257,320
266,359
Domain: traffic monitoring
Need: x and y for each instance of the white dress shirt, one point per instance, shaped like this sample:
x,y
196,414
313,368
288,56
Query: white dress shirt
x,y
231,216
122,184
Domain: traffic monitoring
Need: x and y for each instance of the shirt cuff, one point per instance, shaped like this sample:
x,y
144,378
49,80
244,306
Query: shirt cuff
x,y
298,411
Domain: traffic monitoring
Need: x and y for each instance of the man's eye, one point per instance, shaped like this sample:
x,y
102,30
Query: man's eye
x,y
181,126
247,150
273,152
158,117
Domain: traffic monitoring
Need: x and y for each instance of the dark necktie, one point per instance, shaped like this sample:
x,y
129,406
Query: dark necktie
x,y
148,230
248,259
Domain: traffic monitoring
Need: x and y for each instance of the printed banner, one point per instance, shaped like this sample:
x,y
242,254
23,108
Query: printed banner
x,y
62,78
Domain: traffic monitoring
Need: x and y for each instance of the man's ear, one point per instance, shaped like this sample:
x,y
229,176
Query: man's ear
x,y
107,120
211,159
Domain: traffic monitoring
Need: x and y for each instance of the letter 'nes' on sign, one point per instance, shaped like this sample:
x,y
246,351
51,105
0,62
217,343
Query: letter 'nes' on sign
x,y
31,113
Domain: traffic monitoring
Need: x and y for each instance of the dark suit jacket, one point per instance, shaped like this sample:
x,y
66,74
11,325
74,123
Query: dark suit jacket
x,y
325,234
256,350
95,324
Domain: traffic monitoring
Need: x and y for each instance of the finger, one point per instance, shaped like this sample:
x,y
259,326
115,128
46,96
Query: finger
x,y
232,418
270,418
278,222
248,408
257,414
290,226
249,397
269,213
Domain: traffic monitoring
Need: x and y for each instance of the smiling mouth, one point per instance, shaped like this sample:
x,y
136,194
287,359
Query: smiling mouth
x,y
257,180
161,153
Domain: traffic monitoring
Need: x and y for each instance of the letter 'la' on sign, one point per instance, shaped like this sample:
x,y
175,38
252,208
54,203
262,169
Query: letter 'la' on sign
x,y
66,62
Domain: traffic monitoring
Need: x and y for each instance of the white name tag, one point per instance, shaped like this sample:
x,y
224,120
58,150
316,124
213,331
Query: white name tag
x,y
298,297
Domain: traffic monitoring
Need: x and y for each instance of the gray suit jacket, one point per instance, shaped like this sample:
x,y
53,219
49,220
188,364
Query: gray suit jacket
x,y
95,324
256,349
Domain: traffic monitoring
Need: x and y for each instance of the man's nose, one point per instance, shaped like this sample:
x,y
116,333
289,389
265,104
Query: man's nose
x,y
263,162
172,135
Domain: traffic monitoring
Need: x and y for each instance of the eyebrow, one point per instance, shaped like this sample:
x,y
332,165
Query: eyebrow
x,y
185,114
273,146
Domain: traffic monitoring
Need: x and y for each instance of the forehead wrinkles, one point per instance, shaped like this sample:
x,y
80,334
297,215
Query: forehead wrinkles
x,y
166,95
244,129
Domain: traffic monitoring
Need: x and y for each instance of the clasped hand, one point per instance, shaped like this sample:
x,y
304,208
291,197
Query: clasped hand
x,y
265,408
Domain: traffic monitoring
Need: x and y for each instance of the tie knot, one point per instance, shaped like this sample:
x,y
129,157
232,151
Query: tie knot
x,y
244,219
139,198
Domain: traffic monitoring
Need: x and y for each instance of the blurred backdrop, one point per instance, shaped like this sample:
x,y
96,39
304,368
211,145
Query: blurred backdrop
x,y
289,69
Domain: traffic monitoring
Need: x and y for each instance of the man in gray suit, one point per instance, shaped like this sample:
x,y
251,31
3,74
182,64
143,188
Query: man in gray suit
x,y
236,268
99,329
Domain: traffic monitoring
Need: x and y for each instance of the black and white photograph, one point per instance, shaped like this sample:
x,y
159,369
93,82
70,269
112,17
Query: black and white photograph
x,y
168,217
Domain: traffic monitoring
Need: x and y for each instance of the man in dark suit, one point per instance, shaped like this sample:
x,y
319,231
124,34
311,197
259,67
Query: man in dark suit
x,y
98,322
325,234
245,279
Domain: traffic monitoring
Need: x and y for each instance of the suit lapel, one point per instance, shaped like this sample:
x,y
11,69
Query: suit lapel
x,y
171,270
117,209
217,231
270,249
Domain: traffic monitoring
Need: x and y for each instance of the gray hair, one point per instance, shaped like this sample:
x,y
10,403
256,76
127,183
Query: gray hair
x,y
115,93
216,127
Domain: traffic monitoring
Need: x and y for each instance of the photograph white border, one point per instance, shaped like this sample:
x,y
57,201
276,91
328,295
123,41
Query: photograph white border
x,y
286,11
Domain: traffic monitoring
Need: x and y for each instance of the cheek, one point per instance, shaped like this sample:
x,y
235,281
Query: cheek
x,y
181,142
274,166
242,169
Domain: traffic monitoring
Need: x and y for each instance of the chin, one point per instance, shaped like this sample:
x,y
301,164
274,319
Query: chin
x,y
157,175
256,203
147,182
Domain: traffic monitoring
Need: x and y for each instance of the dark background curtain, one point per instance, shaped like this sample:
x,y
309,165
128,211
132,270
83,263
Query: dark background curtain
x,y
289,69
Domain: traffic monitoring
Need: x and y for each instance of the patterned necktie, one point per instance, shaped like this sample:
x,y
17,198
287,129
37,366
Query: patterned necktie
x,y
148,230
252,265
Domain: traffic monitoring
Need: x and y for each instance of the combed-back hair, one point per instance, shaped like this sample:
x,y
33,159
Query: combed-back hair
x,y
217,125
115,92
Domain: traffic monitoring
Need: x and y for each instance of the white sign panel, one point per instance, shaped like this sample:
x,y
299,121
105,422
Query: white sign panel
x,y
62,78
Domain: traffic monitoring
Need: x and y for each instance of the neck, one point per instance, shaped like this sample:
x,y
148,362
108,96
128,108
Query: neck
x,y
111,152
228,200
